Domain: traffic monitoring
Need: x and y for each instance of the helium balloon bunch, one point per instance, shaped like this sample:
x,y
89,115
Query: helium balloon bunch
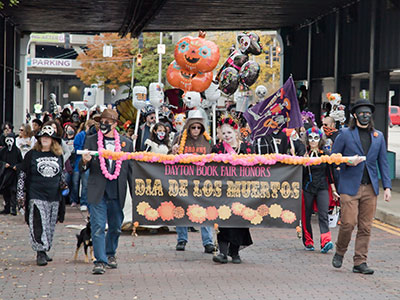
x,y
195,59
238,69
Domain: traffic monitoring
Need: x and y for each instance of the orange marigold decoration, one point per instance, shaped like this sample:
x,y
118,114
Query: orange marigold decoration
x,y
136,224
376,134
249,213
263,210
179,212
216,226
256,220
224,212
207,136
288,216
275,211
141,207
212,213
151,214
237,208
166,210
196,213
183,142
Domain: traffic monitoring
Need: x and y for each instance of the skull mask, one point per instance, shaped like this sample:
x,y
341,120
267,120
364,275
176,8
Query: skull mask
x,y
9,140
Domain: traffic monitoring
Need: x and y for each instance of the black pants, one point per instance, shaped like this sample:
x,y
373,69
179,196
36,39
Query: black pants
x,y
228,248
10,198
322,199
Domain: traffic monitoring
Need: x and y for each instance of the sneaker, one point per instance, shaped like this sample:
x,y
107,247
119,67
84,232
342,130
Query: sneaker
x,y
180,246
236,259
83,208
112,262
328,246
309,248
99,268
337,261
363,269
73,204
41,258
210,248
220,258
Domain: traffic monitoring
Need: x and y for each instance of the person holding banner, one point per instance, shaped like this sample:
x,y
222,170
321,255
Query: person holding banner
x,y
231,239
194,139
359,184
106,188
317,179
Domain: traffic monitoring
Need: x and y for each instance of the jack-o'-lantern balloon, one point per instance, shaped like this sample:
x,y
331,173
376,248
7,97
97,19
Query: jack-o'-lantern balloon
x,y
196,54
186,81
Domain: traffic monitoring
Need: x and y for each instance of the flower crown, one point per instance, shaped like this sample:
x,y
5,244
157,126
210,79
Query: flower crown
x,y
315,130
308,115
230,121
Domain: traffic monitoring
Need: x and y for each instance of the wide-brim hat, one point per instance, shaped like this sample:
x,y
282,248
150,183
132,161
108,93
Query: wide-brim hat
x,y
108,114
361,102
49,131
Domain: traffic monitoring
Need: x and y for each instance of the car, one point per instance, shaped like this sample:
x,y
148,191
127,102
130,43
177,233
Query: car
x,y
394,114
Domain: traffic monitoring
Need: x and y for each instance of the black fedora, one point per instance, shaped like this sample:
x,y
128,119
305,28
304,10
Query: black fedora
x,y
49,131
361,102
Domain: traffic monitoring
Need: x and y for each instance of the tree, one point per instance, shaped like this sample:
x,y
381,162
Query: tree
x,y
10,3
115,71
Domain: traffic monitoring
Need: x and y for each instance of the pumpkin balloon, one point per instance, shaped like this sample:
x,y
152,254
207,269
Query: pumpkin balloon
x,y
229,81
186,81
196,54
249,73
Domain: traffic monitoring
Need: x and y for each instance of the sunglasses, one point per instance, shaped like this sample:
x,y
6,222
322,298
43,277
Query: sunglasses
x,y
195,127
21,130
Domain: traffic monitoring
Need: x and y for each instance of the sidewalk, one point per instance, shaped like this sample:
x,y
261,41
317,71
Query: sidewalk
x,y
389,212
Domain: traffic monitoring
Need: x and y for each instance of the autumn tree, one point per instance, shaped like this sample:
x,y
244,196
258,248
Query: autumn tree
x,y
115,71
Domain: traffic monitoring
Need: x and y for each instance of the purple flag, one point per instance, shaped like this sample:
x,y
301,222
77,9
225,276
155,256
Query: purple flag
x,y
280,110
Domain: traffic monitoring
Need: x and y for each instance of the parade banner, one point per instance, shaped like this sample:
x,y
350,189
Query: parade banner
x,y
217,193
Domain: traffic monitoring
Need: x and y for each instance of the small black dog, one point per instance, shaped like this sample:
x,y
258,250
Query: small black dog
x,y
85,238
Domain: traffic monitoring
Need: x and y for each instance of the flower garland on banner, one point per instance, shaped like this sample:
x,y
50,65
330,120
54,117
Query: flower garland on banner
x,y
235,159
101,150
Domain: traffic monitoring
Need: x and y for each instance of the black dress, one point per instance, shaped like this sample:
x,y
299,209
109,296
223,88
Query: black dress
x,y
235,236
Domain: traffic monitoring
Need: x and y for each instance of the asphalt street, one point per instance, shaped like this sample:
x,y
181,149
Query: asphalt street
x,y
276,266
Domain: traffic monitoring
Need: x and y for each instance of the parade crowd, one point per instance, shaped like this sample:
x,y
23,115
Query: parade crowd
x,y
41,173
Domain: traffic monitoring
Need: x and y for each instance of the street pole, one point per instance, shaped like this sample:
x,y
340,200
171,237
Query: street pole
x,y
133,73
159,73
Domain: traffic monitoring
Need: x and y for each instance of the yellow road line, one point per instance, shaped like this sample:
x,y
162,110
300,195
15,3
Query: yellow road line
x,y
387,225
384,228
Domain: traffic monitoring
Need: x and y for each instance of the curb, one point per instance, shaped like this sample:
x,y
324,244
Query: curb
x,y
387,217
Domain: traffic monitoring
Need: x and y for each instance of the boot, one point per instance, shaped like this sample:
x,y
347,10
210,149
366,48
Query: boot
x,y
47,257
41,258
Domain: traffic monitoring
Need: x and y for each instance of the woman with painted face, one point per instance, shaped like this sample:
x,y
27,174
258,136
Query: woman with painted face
x,y
231,239
158,141
41,173
317,183
68,141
